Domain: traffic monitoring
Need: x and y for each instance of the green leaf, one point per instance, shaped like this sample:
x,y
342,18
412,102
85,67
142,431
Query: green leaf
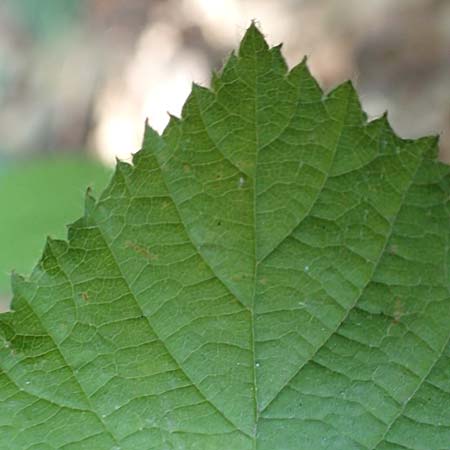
x,y
271,273
38,198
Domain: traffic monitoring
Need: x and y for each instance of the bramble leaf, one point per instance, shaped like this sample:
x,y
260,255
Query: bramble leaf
x,y
46,194
271,273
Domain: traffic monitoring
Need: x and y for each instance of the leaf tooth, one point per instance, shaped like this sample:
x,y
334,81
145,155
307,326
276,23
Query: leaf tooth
x,y
344,95
301,75
56,246
123,171
89,202
197,89
427,145
151,141
17,282
52,250
124,167
278,60
215,80
228,66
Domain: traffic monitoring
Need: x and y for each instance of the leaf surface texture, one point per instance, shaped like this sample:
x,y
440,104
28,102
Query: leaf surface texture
x,y
271,273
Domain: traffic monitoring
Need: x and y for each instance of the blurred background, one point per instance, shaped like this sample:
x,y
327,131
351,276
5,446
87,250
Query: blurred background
x,y
78,78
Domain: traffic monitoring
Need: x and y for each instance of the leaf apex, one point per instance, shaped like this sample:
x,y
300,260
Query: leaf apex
x,y
252,41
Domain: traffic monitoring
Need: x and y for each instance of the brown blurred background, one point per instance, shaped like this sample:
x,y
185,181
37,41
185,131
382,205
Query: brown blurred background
x,y
80,76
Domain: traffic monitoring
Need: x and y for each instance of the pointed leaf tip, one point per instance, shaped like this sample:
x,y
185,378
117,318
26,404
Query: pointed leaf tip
x,y
252,42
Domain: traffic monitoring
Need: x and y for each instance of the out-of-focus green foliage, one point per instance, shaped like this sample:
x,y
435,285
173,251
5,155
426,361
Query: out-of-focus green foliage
x,y
38,199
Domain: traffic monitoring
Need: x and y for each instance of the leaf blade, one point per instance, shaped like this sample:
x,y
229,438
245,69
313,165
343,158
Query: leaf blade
x,y
272,271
